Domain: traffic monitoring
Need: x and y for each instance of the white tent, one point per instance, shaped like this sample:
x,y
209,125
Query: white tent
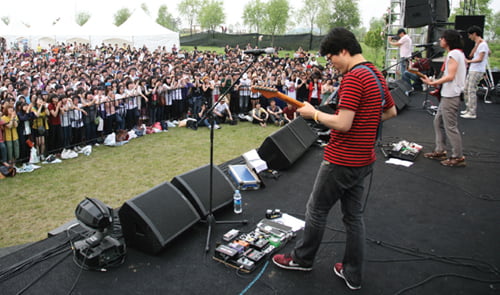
x,y
140,29
99,31
43,34
17,34
68,31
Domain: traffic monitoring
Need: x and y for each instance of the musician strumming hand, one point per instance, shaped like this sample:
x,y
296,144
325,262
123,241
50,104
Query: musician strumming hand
x,y
348,157
446,119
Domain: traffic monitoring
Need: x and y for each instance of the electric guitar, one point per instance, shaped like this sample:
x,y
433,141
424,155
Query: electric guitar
x,y
416,72
437,89
269,92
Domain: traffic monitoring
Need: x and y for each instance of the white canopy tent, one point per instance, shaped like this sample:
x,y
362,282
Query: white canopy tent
x,y
98,31
139,30
16,34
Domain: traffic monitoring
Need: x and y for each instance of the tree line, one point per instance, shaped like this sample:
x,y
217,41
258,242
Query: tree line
x,y
274,17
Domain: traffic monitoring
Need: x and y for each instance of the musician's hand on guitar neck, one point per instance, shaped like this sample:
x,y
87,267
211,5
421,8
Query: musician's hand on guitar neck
x,y
307,111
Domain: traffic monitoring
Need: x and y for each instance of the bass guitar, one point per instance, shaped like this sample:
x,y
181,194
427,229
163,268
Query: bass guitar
x,y
269,92
437,89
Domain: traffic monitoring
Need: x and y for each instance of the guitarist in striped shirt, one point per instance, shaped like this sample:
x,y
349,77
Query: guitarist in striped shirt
x,y
364,100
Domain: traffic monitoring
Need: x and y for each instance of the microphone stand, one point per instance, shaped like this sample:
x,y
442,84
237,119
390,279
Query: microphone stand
x,y
210,219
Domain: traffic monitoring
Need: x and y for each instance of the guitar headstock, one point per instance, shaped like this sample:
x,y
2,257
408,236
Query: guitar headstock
x,y
257,88
267,92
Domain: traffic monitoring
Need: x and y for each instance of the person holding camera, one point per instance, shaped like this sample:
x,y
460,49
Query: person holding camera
x,y
40,125
10,133
405,44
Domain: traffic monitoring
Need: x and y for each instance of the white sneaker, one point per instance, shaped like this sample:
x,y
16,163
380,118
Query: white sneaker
x,y
463,112
468,116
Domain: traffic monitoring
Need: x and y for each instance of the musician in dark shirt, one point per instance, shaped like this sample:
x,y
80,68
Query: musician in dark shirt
x,y
420,64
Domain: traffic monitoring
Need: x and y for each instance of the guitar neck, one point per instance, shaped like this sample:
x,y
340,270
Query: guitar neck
x,y
416,73
272,93
289,100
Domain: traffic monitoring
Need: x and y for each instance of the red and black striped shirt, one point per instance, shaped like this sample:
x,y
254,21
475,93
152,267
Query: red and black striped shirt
x,y
358,92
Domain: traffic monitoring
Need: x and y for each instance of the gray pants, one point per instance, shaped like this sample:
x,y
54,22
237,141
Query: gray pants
x,y
470,91
335,182
446,126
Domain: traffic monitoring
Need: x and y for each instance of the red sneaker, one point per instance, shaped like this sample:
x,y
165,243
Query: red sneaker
x,y
339,271
285,261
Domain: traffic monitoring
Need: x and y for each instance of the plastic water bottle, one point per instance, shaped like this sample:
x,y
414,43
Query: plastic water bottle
x,y
237,202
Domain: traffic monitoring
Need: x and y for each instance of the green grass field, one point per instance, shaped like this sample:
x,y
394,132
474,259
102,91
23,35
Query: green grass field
x,y
35,203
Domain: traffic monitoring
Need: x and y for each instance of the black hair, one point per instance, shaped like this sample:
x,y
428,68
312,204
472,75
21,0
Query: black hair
x,y
337,40
453,38
475,29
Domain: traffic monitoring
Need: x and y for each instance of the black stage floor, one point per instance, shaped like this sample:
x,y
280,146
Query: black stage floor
x,y
430,227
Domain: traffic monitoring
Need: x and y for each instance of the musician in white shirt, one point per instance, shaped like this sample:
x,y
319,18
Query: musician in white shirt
x,y
477,68
405,44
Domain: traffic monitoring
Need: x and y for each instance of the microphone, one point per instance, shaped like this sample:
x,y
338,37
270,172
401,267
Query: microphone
x,y
428,44
259,51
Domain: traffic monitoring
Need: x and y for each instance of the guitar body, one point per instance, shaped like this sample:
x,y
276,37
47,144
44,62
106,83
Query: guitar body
x,y
269,93
437,90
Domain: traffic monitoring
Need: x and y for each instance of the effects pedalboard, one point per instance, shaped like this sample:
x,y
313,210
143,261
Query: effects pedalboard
x,y
246,251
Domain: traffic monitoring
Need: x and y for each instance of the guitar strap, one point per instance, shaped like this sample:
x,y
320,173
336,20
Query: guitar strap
x,y
382,94
379,84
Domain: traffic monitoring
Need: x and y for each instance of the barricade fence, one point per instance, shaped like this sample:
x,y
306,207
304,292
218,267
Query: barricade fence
x,y
286,42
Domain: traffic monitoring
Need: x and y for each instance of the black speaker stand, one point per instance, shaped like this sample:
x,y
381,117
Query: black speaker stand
x,y
210,219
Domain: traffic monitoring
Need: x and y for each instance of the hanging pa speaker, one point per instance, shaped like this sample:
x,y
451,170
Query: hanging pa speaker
x,y
417,14
195,185
440,10
152,219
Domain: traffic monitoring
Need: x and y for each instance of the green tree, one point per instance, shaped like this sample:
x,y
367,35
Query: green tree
x,y
345,14
166,19
373,39
6,20
324,19
144,7
189,9
121,16
82,17
308,14
211,15
496,26
278,12
253,14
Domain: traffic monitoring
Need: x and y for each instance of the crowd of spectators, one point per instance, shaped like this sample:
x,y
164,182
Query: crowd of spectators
x,y
72,94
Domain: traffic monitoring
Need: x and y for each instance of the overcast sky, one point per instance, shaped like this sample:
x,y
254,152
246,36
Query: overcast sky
x,y
32,10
